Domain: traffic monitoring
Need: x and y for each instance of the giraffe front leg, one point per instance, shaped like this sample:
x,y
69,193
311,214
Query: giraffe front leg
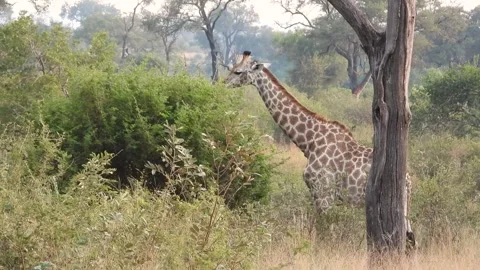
x,y
411,243
320,188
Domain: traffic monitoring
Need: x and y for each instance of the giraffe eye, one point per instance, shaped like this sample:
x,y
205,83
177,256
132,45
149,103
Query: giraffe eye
x,y
237,72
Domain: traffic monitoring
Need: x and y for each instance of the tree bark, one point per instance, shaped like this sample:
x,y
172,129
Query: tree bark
x,y
352,55
214,54
389,54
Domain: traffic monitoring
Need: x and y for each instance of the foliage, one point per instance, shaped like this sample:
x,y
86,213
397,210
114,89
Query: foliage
x,y
92,225
182,175
125,112
165,25
81,10
441,32
203,15
313,73
97,23
449,100
35,64
446,190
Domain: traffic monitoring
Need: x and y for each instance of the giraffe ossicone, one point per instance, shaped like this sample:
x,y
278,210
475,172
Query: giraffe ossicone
x,y
337,165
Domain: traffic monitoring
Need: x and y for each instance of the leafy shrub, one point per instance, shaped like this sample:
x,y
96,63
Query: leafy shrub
x,y
124,113
449,100
93,225
38,64
447,187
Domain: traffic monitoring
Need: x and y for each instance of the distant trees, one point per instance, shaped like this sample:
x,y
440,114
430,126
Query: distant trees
x,y
445,35
330,34
93,17
312,69
204,15
81,10
5,11
449,101
129,23
166,24
440,34
236,20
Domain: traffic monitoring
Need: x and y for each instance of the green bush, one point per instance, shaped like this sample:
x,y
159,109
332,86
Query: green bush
x,y
449,100
91,225
124,113
446,188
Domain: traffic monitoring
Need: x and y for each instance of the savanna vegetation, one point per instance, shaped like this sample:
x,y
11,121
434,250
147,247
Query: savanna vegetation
x,y
133,159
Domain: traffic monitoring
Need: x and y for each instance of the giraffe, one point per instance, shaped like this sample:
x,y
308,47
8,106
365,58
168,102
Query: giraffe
x,y
338,166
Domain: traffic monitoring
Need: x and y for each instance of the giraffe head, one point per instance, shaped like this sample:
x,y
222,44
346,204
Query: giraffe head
x,y
245,72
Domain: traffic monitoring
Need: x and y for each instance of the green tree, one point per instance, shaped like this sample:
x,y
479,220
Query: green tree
x,y
236,20
312,69
166,24
451,100
330,34
34,64
472,42
93,17
81,10
440,35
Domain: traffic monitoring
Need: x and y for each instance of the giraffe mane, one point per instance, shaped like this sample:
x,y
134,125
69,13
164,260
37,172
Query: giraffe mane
x,y
301,106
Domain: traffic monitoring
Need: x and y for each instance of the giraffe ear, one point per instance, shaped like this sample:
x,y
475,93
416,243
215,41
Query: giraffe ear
x,y
257,66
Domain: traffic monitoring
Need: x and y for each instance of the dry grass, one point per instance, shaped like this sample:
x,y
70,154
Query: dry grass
x,y
461,254
292,157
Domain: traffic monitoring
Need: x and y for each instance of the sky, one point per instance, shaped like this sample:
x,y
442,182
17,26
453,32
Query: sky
x,y
268,12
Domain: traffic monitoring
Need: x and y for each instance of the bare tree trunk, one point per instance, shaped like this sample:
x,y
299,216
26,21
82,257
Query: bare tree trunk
x,y
390,63
214,54
167,49
390,56
359,88
128,26
352,55
228,49
124,46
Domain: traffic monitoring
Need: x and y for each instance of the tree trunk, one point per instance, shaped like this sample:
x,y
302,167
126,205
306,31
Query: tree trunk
x,y
214,54
167,49
124,46
359,88
390,56
228,49
390,61
352,55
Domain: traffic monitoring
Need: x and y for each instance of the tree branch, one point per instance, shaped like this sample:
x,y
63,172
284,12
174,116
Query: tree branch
x,y
220,13
287,9
358,20
342,52
209,15
393,24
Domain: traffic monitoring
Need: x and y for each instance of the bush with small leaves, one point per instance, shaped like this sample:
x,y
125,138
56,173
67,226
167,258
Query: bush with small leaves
x,y
92,225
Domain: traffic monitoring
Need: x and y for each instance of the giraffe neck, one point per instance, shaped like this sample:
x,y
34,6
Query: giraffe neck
x,y
305,128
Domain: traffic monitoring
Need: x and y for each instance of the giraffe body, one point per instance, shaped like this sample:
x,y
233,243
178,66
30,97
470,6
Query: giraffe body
x,y
337,165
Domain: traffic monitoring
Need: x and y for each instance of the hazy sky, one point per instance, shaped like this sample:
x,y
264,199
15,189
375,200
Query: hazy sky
x,y
267,11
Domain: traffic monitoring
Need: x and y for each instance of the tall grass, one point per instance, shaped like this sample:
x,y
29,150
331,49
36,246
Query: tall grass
x,y
289,254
